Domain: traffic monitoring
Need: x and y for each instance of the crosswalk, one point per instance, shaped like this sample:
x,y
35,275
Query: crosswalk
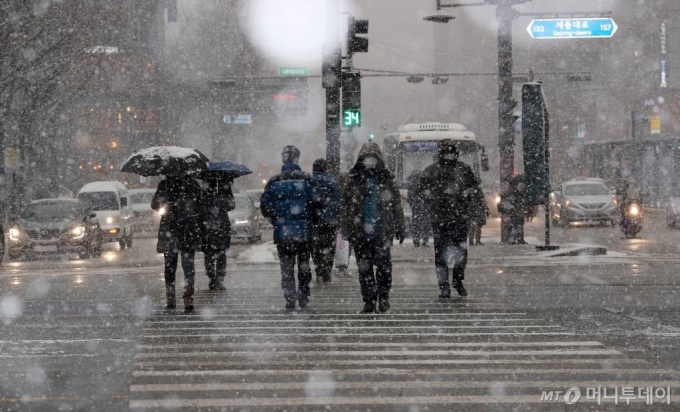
x,y
243,351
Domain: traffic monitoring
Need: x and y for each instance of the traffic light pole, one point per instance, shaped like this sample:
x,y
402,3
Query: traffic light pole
x,y
505,16
333,48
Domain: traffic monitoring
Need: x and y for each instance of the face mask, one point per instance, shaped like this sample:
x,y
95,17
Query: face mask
x,y
449,156
370,163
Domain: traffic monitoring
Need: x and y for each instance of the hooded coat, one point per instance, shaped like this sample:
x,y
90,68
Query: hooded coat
x,y
181,226
356,190
329,193
289,202
218,200
447,190
420,221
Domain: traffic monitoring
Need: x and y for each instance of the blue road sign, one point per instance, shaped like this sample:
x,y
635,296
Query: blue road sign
x,y
572,28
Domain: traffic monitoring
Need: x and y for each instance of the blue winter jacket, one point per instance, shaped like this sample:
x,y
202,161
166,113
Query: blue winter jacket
x,y
289,202
329,194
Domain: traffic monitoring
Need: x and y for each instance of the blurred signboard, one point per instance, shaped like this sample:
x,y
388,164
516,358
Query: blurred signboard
x,y
12,160
655,124
292,71
587,28
243,119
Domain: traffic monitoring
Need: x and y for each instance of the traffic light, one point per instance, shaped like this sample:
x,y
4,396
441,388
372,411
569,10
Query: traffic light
x,y
356,44
331,67
351,99
535,142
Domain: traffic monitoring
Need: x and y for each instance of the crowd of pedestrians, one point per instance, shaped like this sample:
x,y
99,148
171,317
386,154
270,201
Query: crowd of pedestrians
x,y
308,211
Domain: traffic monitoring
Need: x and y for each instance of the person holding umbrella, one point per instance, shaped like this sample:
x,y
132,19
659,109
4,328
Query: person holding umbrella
x,y
180,197
218,200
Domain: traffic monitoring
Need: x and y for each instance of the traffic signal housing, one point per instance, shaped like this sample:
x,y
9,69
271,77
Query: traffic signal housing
x,y
535,144
331,70
356,44
351,99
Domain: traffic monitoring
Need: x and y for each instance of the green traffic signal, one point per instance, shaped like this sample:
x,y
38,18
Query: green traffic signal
x,y
351,117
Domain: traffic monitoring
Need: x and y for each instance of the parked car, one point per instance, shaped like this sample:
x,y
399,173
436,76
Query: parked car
x,y
673,212
584,200
54,226
111,202
244,224
255,195
144,218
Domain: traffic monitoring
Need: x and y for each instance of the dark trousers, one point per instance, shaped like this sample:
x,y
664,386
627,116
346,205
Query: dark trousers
x,y
323,250
474,233
215,264
171,259
373,251
449,251
288,254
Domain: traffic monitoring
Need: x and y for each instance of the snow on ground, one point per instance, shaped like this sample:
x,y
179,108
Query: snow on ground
x,y
259,253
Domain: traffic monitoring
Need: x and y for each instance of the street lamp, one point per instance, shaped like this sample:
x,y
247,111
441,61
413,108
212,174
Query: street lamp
x,y
439,16
505,14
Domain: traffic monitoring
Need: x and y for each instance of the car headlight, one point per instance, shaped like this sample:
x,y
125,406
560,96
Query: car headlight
x,y
567,203
497,199
634,210
110,220
242,222
161,211
14,234
78,232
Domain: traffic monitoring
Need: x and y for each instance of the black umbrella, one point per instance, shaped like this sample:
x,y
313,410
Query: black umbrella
x,y
224,171
166,160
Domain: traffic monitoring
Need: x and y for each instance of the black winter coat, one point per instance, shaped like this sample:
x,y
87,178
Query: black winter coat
x,y
181,226
447,192
478,209
218,199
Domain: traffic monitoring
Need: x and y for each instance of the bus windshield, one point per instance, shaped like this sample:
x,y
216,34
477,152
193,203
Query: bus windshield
x,y
418,155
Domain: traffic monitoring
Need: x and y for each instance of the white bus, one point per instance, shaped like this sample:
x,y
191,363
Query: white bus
x,y
414,146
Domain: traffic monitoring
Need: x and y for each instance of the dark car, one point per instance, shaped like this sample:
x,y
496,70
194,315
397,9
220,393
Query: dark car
x,y
243,219
54,226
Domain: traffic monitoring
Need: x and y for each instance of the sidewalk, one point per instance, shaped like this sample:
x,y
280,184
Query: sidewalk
x,y
491,251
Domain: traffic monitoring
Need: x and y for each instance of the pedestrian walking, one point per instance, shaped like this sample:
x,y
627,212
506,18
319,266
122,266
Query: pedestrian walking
x,y
325,227
289,203
218,200
421,227
371,217
446,187
513,209
478,214
180,232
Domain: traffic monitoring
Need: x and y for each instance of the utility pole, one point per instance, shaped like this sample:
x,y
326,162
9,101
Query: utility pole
x,y
332,62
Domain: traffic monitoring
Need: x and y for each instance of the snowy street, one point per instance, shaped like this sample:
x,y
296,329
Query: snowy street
x,y
530,324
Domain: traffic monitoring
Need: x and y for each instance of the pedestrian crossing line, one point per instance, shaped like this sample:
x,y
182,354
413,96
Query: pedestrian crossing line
x,y
303,327
562,384
305,315
345,400
361,335
519,352
326,345
330,321
251,362
397,372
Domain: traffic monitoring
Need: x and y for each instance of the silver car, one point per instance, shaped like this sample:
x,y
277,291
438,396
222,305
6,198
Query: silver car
x,y
244,221
673,212
584,200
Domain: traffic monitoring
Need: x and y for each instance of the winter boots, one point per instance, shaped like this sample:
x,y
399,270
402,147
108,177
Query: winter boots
x,y
170,295
383,303
216,284
188,298
369,307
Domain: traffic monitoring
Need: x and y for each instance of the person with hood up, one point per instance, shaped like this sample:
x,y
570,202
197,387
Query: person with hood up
x,y
478,214
421,227
371,217
289,202
513,207
324,229
180,232
218,200
447,186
